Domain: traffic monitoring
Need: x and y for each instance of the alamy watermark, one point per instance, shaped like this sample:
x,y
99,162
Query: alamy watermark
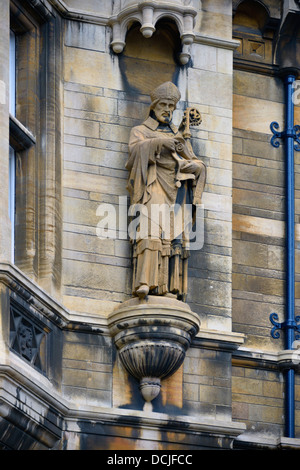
x,y
138,222
296,92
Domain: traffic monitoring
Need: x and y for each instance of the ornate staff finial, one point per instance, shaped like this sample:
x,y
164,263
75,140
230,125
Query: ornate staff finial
x,y
191,118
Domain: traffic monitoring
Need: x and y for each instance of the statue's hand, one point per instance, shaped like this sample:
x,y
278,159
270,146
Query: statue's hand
x,y
168,143
190,167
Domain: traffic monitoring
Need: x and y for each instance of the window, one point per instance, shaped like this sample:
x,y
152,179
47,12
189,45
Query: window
x,y
20,138
35,140
12,73
12,156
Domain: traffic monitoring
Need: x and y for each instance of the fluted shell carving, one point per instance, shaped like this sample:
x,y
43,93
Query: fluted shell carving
x,y
152,359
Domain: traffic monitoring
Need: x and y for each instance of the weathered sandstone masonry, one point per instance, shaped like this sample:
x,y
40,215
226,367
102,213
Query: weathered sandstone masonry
x,y
80,347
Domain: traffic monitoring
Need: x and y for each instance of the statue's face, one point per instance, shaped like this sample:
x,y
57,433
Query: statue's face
x,y
163,110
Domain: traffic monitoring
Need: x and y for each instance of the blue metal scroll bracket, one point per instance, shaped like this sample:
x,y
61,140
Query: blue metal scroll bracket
x,y
277,136
291,325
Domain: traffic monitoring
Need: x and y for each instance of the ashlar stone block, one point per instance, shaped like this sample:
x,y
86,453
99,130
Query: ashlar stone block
x,y
92,68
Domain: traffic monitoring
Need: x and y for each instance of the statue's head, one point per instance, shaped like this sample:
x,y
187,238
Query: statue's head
x,y
164,100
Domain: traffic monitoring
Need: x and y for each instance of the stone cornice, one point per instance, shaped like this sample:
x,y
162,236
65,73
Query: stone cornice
x,y
75,14
221,340
251,357
251,441
119,416
270,360
55,311
52,309
216,41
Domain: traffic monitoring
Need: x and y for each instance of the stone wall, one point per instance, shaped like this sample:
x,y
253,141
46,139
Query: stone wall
x,y
258,400
259,245
258,206
229,391
105,95
104,98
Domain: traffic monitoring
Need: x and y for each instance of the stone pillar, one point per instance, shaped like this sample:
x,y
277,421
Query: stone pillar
x,y
5,228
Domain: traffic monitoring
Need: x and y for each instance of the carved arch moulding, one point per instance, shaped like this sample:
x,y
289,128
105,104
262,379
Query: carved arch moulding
x,y
148,13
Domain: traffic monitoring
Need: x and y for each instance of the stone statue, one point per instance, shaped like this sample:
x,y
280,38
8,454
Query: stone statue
x,y
164,177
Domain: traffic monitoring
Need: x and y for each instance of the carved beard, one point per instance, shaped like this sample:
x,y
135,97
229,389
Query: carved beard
x,y
167,119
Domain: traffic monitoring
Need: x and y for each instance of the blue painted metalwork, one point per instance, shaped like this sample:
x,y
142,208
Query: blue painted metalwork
x,y
282,326
295,134
291,138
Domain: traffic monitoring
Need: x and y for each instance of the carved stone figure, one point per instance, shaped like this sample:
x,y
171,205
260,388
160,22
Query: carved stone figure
x,y
165,177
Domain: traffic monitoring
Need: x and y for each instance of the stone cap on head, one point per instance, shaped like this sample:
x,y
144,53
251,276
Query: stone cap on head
x,y
166,90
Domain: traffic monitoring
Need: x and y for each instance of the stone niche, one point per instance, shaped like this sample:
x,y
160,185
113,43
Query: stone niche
x,y
147,14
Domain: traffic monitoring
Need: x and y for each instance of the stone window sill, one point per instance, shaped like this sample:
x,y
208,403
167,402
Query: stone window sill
x,y
20,138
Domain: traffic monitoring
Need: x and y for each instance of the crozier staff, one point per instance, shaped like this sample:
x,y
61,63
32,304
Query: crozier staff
x,y
163,170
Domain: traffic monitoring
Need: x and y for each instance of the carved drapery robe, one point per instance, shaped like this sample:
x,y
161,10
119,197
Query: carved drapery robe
x,y
160,258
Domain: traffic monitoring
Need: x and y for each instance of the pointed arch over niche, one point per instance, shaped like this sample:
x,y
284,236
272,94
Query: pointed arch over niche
x,y
147,62
251,16
147,14
255,26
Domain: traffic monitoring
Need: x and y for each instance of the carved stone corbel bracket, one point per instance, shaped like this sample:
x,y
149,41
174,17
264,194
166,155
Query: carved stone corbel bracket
x,y
152,337
148,13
